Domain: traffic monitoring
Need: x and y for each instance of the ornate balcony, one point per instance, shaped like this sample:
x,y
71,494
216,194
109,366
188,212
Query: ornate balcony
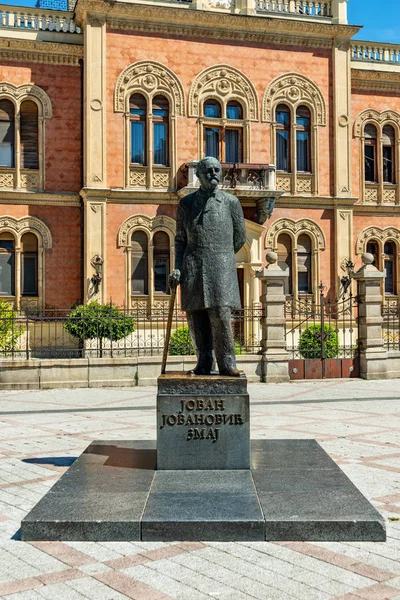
x,y
252,183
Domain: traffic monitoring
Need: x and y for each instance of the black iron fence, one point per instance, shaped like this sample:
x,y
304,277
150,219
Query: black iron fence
x,y
323,329
123,333
391,323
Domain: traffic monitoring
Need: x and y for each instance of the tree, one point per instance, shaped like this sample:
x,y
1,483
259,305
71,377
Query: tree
x,y
99,321
10,328
181,342
311,342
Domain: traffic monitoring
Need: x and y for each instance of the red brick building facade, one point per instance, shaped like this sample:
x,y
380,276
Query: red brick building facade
x,y
104,111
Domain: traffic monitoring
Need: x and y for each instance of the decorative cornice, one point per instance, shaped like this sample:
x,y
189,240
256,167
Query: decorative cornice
x,y
384,81
179,20
17,197
40,52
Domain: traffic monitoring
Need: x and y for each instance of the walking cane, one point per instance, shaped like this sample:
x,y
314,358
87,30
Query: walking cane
x,y
169,326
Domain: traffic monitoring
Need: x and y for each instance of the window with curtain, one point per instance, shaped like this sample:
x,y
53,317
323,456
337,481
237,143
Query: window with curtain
x,y
388,154
390,266
7,261
160,130
303,150
282,119
7,133
223,141
285,259
139,263
161,262
373,248
304,264
29,265
29,132
137,109
370,137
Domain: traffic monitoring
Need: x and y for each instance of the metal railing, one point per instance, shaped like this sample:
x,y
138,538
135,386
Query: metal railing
x,y
37,19
131,333
391,323
296,7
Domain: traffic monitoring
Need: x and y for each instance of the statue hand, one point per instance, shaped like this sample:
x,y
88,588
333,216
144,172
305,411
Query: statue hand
x,y
174,278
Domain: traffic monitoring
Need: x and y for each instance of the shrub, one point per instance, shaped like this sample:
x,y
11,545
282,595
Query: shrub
x,y
181,342
10,329
102,321
310,342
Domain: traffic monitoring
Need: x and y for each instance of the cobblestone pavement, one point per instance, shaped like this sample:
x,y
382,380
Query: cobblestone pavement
x,y
41,432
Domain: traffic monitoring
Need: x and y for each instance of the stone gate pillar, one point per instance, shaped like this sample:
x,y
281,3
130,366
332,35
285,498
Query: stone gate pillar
x,y
275,359
373,355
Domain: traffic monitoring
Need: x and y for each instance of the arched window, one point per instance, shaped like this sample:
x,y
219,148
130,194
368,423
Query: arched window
x,y
304,279
285,259
303,147
370,169
7,264
161,254
140,263
373,248
7,133
29,265
160,130
223,131
388,138
29,135
137,110
282,119
390,267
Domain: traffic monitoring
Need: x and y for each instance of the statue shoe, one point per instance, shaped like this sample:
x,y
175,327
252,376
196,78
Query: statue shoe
x,y
231,373
198,371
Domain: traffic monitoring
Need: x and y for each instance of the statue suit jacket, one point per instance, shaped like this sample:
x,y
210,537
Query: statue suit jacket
x,y
210,230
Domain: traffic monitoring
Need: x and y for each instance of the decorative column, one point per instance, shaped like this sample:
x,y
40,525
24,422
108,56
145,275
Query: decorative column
x,y
343,241
373,356
275,359
342,117
95,101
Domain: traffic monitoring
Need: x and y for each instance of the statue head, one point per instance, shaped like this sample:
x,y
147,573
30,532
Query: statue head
x,y
209,173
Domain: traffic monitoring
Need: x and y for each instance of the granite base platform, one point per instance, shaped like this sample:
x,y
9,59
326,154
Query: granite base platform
x,y
293,491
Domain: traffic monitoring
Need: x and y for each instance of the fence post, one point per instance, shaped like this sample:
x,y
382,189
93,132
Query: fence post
x,y
275,359
373,355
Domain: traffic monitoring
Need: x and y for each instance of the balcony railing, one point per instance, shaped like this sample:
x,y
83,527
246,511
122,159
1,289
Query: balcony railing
x,y
376,52
296,7
240,176
36,19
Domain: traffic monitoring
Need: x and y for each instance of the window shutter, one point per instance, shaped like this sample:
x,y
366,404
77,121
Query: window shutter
x,y
29,135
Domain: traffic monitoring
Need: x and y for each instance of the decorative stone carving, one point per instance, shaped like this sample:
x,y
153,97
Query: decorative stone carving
x,y
284,182
294,89
221,3
371,194
153,78
224,83
28,91
379,118
389,196
294,227
376,233
149,224
6,180
160,179
30,180
304,185
137,178
25,225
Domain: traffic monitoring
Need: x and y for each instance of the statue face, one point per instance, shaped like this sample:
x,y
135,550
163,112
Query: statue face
x,y
209,173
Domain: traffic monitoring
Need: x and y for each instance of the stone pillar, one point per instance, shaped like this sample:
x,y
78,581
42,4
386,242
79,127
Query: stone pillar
x,y
373,356
94,244
339,11
275,359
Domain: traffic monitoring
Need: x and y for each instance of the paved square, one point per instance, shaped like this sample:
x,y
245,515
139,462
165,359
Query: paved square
x,y
42,432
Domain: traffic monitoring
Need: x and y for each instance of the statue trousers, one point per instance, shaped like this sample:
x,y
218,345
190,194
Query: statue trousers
x,y
212,328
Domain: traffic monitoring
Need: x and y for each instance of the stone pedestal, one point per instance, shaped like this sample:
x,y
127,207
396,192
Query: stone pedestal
x,y
202,423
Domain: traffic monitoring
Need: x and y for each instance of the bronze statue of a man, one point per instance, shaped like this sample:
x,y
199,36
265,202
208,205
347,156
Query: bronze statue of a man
x,y
210,230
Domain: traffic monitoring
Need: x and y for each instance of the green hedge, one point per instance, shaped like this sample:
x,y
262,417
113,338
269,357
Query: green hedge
x,y
103,321
181,343
10,328
310,342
